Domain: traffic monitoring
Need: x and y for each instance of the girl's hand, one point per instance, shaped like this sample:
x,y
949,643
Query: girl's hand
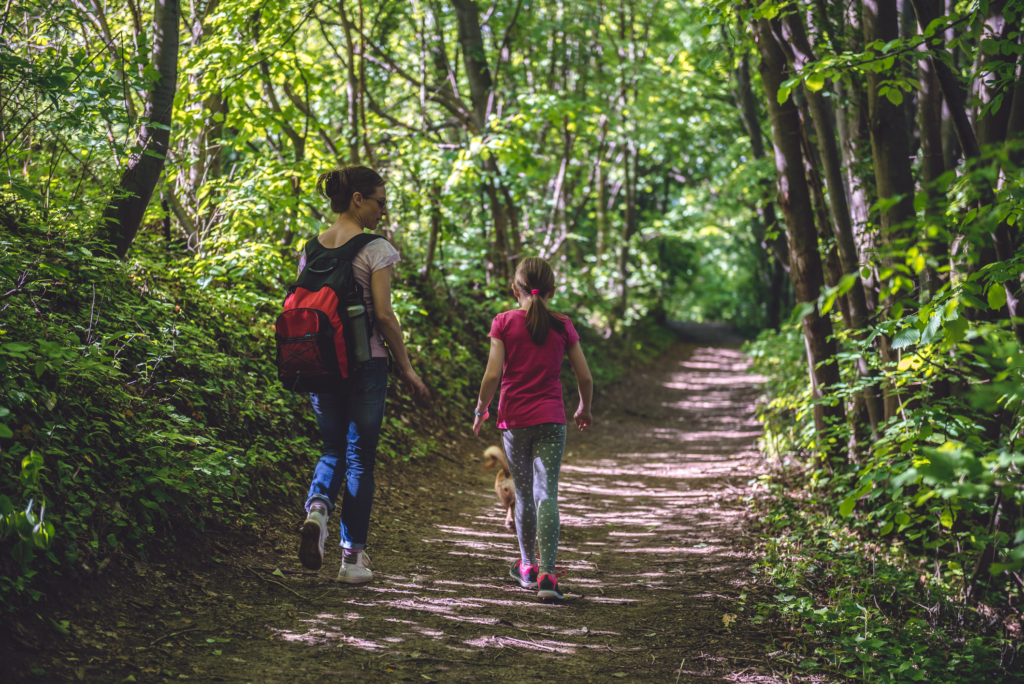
x,y
415,384
479,420
583,418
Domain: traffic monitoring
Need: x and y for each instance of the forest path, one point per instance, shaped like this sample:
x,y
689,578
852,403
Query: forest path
x,y
652,538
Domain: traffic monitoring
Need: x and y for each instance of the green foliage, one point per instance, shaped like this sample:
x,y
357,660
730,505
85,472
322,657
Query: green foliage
x,y
138,400
869,609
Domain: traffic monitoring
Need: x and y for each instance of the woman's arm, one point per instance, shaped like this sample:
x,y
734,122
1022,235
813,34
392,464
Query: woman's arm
x,y
380,289
585,382
495,362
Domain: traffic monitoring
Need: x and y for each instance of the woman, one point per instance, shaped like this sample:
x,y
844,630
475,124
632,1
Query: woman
x,y
350,419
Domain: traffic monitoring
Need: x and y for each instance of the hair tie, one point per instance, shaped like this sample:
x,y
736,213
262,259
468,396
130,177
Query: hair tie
x,y
534,291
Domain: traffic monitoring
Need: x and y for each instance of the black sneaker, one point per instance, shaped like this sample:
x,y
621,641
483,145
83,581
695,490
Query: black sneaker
x,y
547,587
527,581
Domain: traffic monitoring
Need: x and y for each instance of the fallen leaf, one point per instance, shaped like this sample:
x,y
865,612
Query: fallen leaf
x,y
651,634
728,619
619,674
129,678
278,573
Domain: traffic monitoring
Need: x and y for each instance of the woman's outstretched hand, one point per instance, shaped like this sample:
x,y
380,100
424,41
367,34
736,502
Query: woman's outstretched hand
x,y
415,384
583,418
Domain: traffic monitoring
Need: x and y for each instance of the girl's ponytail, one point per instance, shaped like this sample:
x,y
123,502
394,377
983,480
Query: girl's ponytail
x,y
535,279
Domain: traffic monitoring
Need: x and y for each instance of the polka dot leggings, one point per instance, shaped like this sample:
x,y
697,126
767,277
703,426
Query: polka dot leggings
x,y
534,457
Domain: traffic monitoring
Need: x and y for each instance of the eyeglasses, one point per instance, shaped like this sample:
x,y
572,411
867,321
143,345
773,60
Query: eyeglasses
x,y
383,203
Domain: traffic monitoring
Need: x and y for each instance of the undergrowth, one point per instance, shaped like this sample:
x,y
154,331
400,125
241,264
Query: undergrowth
x,y
901,562
138,401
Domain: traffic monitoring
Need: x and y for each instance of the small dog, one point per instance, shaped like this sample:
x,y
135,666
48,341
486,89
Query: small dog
x,y
503,485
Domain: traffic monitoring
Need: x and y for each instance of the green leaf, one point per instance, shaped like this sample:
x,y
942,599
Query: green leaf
x,y
815,82
277,572
996,297
895,96
905,338
783,95
801,311
846,508
955,329
886,529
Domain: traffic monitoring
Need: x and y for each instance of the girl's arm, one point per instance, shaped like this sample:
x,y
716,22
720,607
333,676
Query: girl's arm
x,y
585,382
495,362
380,288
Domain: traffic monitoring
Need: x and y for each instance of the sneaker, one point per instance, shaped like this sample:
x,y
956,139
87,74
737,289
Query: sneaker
x,y
527,579
314,534
357,572
547,587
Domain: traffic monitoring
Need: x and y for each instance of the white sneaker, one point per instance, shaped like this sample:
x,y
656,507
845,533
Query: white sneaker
x,y
358,572
314,534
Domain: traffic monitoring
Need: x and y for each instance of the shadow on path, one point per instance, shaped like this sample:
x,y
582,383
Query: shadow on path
x,y
652,538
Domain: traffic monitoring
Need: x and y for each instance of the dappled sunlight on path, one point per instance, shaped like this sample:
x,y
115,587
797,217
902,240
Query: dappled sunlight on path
x,y
650,542
653,544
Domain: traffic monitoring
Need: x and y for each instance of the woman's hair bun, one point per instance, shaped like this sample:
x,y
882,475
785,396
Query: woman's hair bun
x,y
339,185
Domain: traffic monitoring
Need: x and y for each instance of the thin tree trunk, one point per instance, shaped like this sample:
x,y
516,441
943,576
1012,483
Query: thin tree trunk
x,y
123,215
435,228
1003,237
352,85
842,222
794,198
932,167
890,150
747,104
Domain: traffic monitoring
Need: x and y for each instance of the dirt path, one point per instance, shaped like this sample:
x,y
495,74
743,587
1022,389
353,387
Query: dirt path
x,y
652,538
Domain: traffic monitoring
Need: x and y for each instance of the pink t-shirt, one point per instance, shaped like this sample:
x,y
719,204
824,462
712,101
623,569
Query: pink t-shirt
x,y
531,391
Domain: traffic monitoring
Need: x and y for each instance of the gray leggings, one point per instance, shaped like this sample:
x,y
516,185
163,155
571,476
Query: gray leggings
x,y
534,457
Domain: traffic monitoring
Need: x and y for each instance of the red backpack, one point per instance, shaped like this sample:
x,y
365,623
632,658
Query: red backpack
x,y
323,333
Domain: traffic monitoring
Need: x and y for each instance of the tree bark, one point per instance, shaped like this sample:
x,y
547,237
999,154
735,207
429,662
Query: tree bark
x,y
435,229
842,222
1002,238
123,215
747,104
794,198
474,58
352,86
933,165
889,143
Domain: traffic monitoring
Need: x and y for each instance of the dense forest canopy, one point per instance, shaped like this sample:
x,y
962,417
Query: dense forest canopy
x,y
843,177
583,133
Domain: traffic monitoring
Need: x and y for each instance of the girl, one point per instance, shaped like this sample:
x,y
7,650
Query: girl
x,y
527,346
350,418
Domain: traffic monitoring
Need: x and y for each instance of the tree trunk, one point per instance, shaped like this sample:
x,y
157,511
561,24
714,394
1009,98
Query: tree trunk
x,y
352,86
474,58
435,229
628,229
889,144
932,166
794,198
1002,238
842,222
890,150
747,104
123,215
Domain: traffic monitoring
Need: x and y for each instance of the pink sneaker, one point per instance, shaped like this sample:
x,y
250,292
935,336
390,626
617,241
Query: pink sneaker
x,y
526,576
547,587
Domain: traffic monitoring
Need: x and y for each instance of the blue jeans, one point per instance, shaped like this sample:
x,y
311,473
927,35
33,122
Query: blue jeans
x,y
350,421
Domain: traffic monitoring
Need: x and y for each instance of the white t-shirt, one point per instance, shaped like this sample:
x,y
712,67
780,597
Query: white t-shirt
x,y
375,256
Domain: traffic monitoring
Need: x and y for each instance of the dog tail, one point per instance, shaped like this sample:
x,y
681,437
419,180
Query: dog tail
x,y
494,457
